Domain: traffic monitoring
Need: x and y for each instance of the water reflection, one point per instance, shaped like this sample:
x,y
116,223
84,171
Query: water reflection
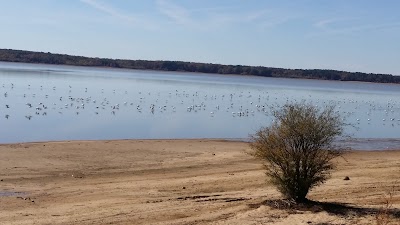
x,y
40,102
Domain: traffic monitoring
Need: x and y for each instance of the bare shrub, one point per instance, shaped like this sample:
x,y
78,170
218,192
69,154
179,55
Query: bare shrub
x,y
383,217
297,149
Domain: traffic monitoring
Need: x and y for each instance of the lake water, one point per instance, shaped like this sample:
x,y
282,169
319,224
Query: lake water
x,y
46,102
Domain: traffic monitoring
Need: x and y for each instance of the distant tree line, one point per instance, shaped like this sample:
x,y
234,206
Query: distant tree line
x,y
10,55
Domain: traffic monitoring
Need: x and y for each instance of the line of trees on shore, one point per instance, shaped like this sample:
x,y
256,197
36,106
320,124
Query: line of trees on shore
x,y
10,55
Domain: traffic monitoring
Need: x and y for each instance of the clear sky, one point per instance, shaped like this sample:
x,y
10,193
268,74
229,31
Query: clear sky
x,y
351,35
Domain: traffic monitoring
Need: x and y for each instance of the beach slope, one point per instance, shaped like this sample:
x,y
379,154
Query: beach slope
x,y
179,182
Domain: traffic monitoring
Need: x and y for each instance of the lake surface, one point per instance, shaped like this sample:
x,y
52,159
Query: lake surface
x,y
48,102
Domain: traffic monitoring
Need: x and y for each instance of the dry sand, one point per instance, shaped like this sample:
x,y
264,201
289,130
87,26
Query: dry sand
x,y
178,182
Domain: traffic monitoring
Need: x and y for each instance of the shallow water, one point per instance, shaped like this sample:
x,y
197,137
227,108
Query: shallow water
x,y
11,193
45,102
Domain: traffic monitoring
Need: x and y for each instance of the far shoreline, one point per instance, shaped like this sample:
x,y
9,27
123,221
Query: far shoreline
x,y
48,58
197,73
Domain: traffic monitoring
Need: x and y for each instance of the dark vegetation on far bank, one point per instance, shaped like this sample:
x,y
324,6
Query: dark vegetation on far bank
x,y
10,55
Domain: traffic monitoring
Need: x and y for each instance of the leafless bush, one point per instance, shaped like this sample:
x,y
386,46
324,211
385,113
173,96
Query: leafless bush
x,y
297,149
383,216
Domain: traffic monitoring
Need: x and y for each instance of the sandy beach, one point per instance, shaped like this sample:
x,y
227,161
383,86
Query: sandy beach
x,y
179,182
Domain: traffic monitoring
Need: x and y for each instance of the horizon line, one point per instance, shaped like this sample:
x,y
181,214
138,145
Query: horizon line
x,y
160,60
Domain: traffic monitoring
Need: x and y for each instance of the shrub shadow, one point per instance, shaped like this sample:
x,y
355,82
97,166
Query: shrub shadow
x,y
335,208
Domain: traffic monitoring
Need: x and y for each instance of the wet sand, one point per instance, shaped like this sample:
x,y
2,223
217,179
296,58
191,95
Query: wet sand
x,y
178,182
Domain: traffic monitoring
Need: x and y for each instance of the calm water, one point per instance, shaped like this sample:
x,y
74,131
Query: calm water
x,y
42,102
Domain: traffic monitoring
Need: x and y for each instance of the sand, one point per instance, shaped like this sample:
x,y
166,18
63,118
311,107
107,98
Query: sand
x,y
179,182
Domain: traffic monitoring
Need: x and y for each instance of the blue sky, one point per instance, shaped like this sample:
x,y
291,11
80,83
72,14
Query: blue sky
x,y
351,35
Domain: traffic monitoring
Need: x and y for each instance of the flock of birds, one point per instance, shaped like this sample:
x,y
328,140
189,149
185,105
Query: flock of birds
x,y
37,101
31,101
